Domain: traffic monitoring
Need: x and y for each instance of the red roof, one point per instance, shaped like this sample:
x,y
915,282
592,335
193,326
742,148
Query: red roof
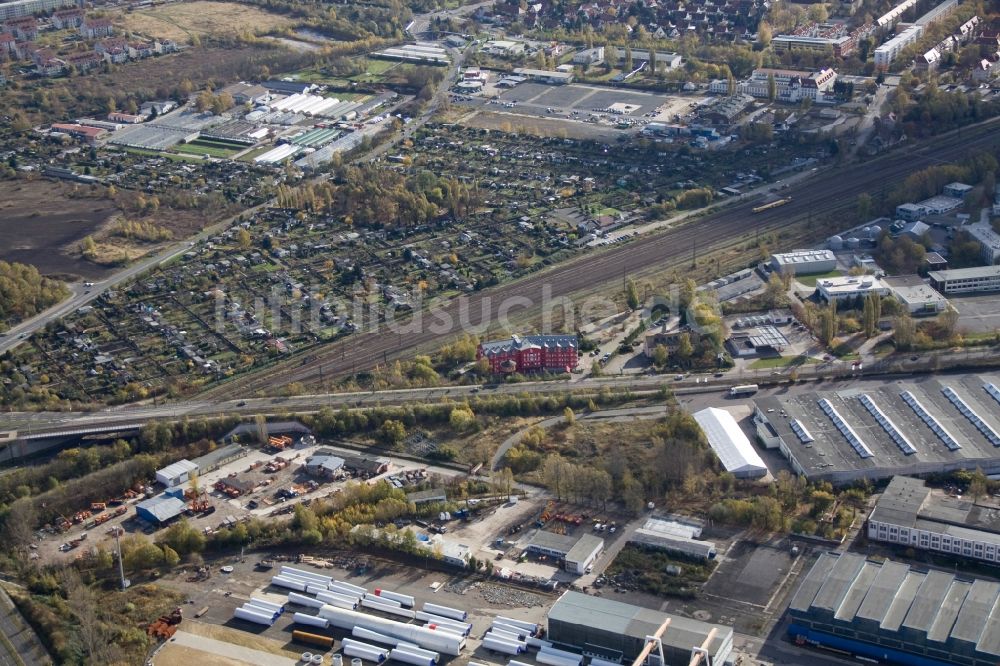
x,y
6,38
92,132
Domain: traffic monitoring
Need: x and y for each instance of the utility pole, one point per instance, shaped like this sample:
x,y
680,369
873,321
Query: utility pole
x,y
121,562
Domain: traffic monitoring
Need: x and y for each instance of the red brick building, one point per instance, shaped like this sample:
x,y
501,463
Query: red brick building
x,y
531,353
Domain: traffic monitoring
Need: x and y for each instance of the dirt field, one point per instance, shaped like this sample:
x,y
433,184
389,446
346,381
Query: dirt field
x,y
510,122
183,20
41,225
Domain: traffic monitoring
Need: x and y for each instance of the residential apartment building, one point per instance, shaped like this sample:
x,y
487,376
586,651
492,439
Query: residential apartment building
x,y
530,353
25,28
911,514
96,28
966,280
19,8
841,46
886,54
68,18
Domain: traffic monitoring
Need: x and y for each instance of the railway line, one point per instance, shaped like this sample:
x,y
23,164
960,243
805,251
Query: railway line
x,y
830,191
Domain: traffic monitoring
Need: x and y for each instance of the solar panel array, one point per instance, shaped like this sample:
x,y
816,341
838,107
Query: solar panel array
x,y
890,428
801,432
993,391
931,422
981,425
847,431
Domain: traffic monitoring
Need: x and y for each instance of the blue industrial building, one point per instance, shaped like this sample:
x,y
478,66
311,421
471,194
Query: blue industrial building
x,y
163,508
894,614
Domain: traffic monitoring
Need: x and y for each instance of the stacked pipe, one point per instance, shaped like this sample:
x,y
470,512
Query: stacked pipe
x,y
368,634
530,627
404,600
553,657
353,648
256,614
409,656
297,584
338,600
292,572
264,603
439,641
374,604
521,634
357,589
445,611
444,622
310,620
497,643
303,600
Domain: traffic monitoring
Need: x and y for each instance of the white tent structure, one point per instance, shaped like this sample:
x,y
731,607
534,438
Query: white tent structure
x,y
730,444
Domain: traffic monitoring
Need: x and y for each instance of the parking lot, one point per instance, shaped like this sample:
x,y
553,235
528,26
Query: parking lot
x,y
977,314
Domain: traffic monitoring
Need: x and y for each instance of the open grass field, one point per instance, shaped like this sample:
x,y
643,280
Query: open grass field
x,y
183,20
210,148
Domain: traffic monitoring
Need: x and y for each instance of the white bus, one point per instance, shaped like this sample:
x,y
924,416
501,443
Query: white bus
x,y
745,389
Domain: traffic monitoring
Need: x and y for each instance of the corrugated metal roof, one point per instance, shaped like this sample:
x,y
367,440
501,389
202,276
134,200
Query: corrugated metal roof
x,y
728,441
177,469
910,606
162,507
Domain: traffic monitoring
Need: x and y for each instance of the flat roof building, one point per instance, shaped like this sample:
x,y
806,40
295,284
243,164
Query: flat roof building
x,y
886,53
324,463
843,288
916,429
916,516
545,75
734,450
989,242
673,536
616,631
224,454
584,553
431,495
966,280
917,296
892,613
804,262
577,553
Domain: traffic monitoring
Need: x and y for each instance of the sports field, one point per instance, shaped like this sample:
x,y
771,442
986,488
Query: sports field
x,y
183,20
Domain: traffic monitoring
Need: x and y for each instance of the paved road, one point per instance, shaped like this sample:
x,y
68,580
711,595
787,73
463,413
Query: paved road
x,y
695,392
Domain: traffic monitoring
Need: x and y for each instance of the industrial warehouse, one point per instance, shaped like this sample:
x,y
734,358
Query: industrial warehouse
x,y
617,632
936,426
889,612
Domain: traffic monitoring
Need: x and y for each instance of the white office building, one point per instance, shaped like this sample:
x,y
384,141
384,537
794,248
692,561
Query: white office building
x,y
989,242
804,262
842,288
911,514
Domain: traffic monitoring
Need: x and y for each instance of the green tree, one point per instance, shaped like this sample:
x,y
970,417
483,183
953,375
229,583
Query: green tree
x,y
684,348
243,239
632,294
870,322
772,88
904,331
569,416
392,432
764,34
660,356
864,206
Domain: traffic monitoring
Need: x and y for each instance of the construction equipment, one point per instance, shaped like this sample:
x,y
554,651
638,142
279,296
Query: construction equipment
x,y
279,443
165,626
98,506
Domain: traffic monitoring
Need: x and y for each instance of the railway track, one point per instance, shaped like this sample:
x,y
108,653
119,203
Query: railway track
x,y
830,192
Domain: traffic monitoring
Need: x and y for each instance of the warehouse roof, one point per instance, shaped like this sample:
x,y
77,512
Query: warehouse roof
x,y
627,620
220,455
162,507
584,548
178,469
937,604
964,273
559,543
728,441
827,454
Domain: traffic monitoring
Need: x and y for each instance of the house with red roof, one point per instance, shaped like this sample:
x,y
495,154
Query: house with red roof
x,y
531,353
95,28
